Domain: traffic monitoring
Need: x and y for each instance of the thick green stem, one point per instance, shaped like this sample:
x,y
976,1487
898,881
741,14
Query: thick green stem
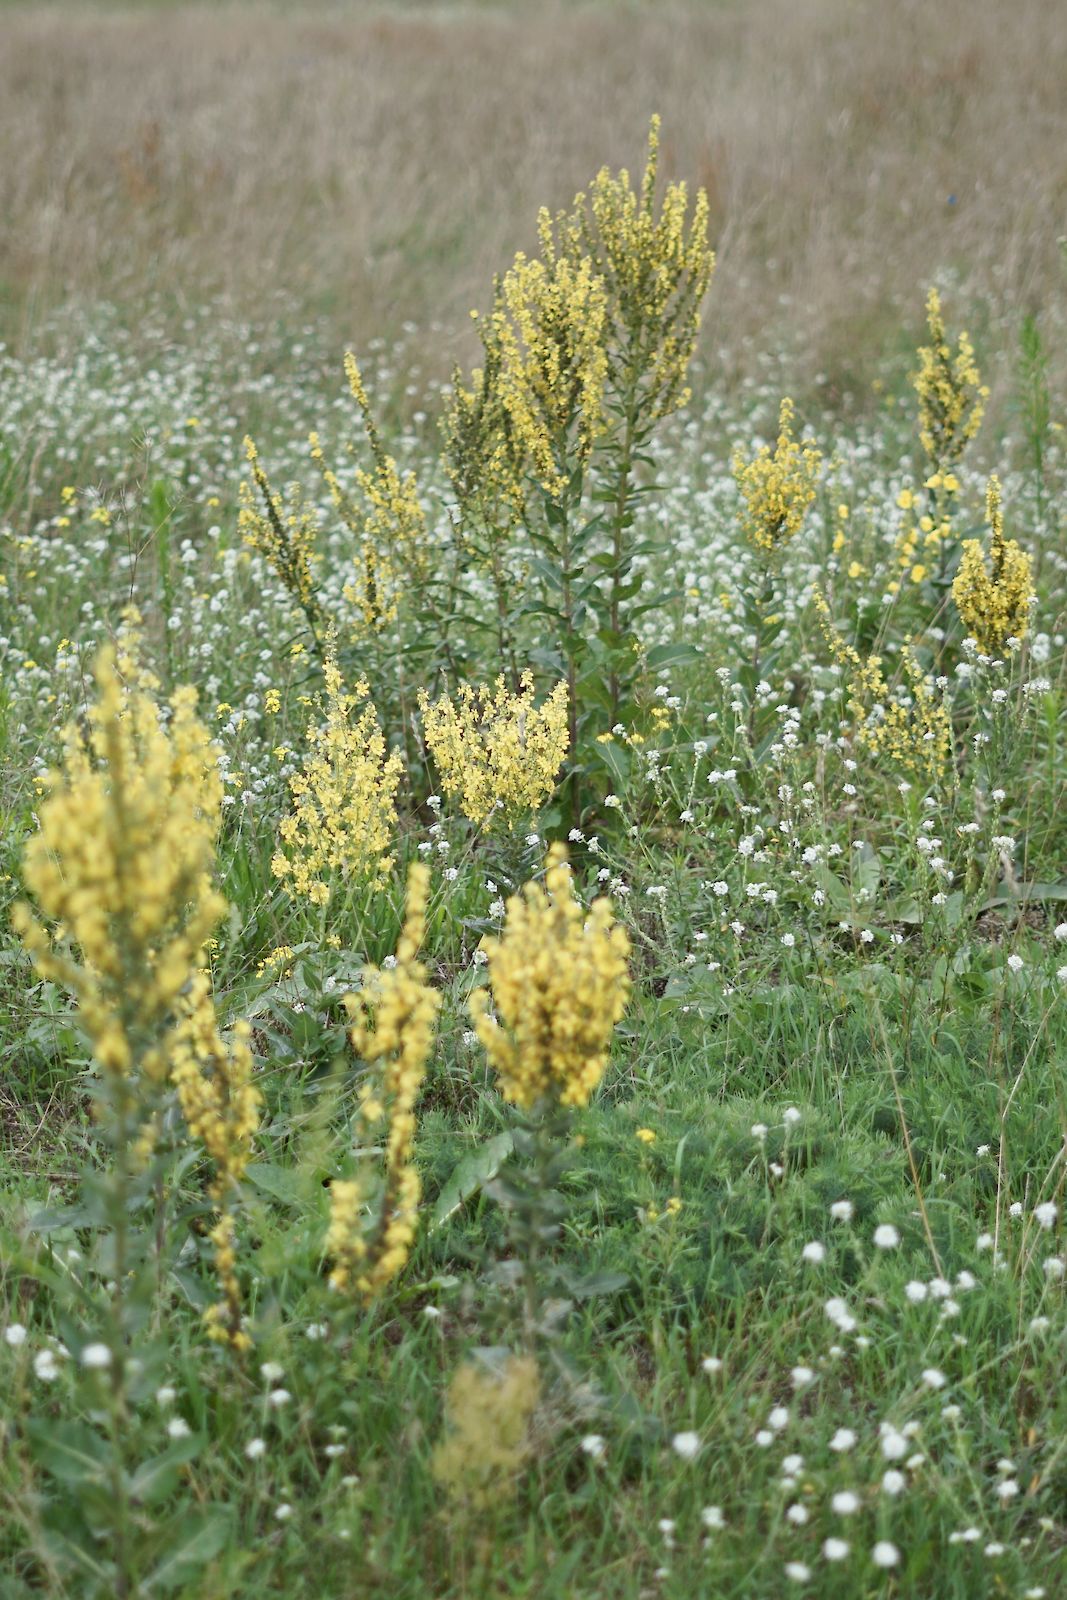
x,y
118,1198
618,534
536,1222
570,648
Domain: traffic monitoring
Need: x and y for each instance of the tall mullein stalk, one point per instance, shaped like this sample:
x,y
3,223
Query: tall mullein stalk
x,y
116,1192
560,514
952,400
564,541
284,531
120,873
558,984
529,1191
394,1018
621,521
505,633
777,487
651,251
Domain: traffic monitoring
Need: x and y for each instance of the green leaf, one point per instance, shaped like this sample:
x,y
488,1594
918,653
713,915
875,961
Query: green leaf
x,y
866,868
616,758
587,1286
79,1551
190,1540
287,1184
155,1478
547,571
470,1174
657,603
70,1451
1023,893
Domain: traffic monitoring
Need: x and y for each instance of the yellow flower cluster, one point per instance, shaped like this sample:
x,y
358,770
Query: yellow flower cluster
x,y
912,729
284,534
344,808
484,456
393,1024
390,526
655,273
548,327
951,393
920,541
994,602
488,1415
121,866
603,325
777,485
221,1108
559,982
497,751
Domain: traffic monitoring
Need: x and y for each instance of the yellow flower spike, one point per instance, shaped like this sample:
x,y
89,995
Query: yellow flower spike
x,y
910,728
121,870
488,1440
951,396
284,532
344,798
497,752
559,981
777,486
656,269
994,602
221,1109
548,325
387,520
393,1027
123,859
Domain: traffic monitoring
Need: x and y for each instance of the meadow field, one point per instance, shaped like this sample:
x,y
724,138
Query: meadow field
x,y
533,868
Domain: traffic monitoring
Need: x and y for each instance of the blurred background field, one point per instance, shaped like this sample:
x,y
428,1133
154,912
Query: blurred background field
x,y
374,165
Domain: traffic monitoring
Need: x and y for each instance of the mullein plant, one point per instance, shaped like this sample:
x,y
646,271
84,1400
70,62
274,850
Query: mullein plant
x,y
121,874
952,400
283,529
586,350
549,323
336,842
373,1220
213,1079
497,752
558,983
392,569
777,485
905,723
545,359
994,601
392,572
656,267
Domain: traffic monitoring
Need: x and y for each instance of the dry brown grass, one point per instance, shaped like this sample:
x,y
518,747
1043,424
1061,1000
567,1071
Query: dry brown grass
x,y
382,165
